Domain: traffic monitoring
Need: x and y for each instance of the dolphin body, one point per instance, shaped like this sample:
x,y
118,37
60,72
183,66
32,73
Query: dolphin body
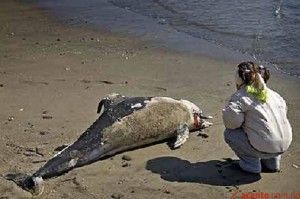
x,y
124,123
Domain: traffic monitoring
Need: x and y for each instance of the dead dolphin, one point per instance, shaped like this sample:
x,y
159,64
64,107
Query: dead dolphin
x,y
124,123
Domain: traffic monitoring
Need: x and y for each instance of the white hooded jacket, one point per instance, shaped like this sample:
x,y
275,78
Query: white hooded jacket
x,y
265,124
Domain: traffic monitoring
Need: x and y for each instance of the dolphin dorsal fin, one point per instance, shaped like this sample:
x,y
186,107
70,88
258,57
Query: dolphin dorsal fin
x,y
111,100
103,105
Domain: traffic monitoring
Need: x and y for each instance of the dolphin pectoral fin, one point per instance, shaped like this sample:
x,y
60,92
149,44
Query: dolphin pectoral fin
x,y
103,104
108,101
182,135
34,185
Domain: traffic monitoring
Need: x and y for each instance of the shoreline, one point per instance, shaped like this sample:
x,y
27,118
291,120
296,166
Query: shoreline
x,y
130,23
47,67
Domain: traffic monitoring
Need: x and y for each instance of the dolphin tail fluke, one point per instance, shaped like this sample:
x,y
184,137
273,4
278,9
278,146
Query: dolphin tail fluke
x,y
29,183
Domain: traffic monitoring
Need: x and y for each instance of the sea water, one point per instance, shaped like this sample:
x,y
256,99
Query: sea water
x,y
266,31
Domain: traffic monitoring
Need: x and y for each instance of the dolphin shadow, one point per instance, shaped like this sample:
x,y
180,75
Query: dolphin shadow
x,y
213,172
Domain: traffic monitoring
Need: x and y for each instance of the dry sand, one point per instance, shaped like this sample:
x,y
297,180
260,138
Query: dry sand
x,y
61,71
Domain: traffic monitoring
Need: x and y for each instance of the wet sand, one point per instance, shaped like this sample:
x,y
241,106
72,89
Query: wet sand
x,y
51,79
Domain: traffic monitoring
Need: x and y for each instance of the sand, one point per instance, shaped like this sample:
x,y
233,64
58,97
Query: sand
x,y
52,77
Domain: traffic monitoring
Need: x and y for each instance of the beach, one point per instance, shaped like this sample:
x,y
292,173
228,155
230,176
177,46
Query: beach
x,y
52,77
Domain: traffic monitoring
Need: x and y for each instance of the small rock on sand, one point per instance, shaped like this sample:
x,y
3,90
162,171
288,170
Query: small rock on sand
x,y
30,125
44,132
126,157
203,135
45,112
295,166
47,117
228,84
10,118
125,164
116,195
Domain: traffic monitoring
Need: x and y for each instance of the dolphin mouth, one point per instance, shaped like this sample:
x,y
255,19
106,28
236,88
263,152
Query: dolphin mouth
x,y
205,124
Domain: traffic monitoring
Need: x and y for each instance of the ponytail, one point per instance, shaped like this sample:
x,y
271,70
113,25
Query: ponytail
x,y
255,78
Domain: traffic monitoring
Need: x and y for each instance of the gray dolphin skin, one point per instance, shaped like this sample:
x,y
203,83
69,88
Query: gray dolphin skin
x,y
125,123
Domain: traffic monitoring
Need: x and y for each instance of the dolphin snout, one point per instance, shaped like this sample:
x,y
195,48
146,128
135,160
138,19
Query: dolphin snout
x,y
206,124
